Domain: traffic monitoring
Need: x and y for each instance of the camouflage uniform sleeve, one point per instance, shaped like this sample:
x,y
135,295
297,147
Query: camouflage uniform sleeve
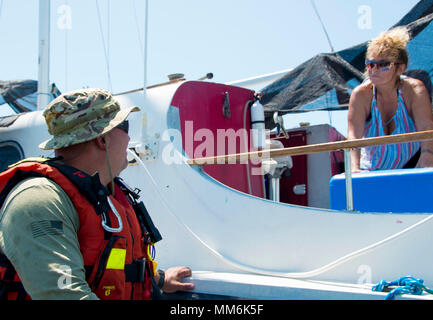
x,y
38,233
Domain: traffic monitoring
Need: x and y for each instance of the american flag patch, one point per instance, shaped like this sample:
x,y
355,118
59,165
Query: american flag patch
x,y
46,227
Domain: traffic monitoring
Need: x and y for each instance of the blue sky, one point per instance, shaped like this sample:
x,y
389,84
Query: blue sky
x,y
233,39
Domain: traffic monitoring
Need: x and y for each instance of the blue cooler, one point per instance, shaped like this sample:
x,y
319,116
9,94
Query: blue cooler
x,y
398,191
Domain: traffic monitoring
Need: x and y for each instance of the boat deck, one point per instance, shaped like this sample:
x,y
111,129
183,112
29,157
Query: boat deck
x,y
211,285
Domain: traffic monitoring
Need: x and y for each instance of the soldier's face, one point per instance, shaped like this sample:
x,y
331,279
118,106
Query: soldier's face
x,y
119,140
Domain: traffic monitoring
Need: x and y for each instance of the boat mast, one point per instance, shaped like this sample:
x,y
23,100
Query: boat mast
x,y
44,54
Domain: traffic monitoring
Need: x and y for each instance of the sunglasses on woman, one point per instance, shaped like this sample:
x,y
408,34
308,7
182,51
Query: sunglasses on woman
x,y
382,65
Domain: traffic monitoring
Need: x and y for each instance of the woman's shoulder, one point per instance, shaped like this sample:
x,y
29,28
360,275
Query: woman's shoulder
x,y
363,92
411,86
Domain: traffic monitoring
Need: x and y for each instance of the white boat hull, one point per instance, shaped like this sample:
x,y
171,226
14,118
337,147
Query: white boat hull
x,y
211,227
245,246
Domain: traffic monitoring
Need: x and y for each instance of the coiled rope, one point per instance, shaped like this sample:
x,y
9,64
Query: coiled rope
x,y
404,285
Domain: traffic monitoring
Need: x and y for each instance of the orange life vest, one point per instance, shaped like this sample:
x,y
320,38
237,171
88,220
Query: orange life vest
x,y
117,263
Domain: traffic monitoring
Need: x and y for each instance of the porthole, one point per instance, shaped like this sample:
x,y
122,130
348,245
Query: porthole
x,y
10,152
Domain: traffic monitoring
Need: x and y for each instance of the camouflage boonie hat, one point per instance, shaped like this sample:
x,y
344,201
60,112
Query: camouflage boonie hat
x,y
81,116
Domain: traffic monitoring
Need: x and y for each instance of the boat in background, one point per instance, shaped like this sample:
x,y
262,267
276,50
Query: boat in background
x,y
239,243
264,226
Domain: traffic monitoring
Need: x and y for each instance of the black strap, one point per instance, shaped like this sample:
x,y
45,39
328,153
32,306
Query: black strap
x,y
149,230
7,284
9,287
135,272
90,186
10,272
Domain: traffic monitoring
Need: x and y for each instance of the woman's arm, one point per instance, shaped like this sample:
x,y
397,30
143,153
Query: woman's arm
x,y
359,104
421,110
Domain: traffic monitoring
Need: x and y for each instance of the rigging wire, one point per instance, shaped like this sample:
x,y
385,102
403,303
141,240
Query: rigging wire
x,y
66,54
323,25
134,9
107,62
330,44
108,30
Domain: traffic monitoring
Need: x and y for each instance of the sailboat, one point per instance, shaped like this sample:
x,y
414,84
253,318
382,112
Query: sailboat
x,y
223,191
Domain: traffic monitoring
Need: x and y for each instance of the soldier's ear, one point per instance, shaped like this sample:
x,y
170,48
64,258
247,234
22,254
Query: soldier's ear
x,y
101,142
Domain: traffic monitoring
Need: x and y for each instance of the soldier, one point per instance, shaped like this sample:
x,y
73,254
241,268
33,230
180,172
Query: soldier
x,y
68,229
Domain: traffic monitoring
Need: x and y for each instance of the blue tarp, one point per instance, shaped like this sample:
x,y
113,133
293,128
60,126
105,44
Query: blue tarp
x,y
21,95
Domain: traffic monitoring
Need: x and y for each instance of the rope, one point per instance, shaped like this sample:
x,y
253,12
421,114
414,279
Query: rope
x,y
404,285
134,9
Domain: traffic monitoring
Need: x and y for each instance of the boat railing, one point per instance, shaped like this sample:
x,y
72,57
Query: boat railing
x,y
345,145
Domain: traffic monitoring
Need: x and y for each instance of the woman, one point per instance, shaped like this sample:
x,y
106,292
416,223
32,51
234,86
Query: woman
x,y
389,103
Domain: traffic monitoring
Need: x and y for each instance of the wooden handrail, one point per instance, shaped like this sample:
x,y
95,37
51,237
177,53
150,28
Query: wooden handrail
x,y
314,148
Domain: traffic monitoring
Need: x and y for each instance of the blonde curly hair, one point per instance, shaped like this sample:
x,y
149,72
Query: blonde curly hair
x,y
391,44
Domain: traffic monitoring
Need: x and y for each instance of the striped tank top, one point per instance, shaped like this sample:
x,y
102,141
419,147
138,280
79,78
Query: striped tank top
x,y
391,156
